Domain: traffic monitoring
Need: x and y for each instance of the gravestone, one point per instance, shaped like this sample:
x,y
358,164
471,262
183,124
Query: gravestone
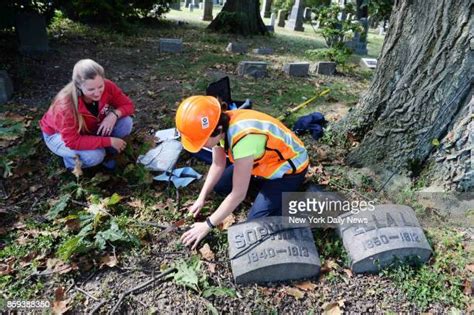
x,y
368,63
375,239
175,5
324,67
296,69
266,9
281,17
256,69
272,19
269,250
190,7
263,51
31,33
173,45
195,3
295,21
187,3
237,48
307,14
208,4
359,42
201,6
6,87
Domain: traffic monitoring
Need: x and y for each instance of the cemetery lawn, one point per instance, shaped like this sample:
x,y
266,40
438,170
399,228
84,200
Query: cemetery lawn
x,y
52,248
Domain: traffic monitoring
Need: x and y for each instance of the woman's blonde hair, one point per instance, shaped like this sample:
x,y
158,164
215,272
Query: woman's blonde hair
x,y
84,69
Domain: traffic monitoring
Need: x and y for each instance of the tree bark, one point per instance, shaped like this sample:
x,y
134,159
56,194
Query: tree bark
x,y
420,95
239,17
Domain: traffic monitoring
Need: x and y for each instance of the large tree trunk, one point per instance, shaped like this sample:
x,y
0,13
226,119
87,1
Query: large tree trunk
x,y
239,17
421,95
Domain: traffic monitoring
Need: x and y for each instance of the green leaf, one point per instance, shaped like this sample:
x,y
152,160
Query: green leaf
x,y
212,309
72,246
58,207
187,274
219,291
435,142
114,199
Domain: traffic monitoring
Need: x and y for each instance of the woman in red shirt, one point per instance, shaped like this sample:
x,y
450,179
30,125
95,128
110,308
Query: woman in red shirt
x,y
88,118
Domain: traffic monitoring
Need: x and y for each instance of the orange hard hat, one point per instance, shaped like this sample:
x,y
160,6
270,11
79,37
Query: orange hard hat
x,y
196,118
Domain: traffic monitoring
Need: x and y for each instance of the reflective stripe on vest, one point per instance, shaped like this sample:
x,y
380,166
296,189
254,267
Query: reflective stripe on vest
x,y
284,152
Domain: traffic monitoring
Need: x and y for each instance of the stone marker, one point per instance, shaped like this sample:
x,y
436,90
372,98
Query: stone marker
x,y
31,32
358,44
201,6
187,3
296,69
173,45
256,69
368,63
281,18
6,87
195,3
237,48
208,4
191,7
263,51
295,21
307,14
266,9
375,239
324,67
272,19
268,250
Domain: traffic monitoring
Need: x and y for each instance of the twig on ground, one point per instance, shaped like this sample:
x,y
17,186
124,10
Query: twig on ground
x,y
352,190
97,307
85,293
138,287
154,224
79,203
139,301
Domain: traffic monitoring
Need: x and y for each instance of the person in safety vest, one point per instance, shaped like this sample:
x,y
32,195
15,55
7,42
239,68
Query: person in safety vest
x,y
263,152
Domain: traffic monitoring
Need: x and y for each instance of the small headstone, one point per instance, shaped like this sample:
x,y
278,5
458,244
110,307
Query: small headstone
x,y
6,87
190,7
266,9
237,48
31,32
281,17
295,21
256,69
195,3
201,6
187,3
296,69
368,63
307,14
208,4
173,45
325,67
269,250
387,234
272,19
263,51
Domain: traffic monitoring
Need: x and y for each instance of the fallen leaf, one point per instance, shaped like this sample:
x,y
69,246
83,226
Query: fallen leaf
x,y
468,285
55,265
348,272
77,171
73,225
306,286
333,308
6,267
329,265
206,252
296,293
470,267
60,302
108,260
211,267
228,221
35,188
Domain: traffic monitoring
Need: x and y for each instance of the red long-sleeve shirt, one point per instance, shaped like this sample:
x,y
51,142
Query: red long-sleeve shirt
x,y
60,119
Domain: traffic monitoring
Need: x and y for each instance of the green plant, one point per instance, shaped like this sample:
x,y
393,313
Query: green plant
x,y
339,55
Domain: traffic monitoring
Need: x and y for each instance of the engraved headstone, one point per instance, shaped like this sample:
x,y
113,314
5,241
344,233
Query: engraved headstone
x,y
295,21
208,4
237,48
368,63
173,45
281,17
256,69
269,250
31,33
324,67
6,87
296,69
387,234
266,9
263,51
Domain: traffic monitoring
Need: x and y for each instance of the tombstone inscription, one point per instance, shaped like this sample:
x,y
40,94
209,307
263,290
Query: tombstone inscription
x,y
375,239
269,250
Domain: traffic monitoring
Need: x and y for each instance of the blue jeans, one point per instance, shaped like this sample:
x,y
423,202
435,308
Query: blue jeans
x,y
89,158
269,191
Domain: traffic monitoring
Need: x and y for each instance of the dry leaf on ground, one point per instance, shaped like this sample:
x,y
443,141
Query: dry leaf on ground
x,y
6,267
296,293
60,304
333,308
228,221
306,286
77,171
109,260
206,252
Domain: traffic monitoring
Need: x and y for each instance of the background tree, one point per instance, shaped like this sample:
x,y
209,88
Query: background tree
x,y
239,17
417,114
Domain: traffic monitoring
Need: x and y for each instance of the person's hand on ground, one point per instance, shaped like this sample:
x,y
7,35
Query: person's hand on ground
x,y
197,232
107,125
118,144
196,207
